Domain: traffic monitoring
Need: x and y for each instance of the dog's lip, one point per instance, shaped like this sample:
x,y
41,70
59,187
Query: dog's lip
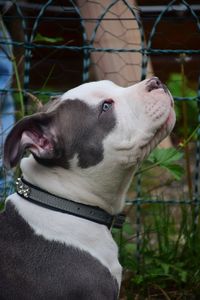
x,y
159,90
163,90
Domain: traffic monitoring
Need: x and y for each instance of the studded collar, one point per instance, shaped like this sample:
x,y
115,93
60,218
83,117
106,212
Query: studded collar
x,y
43,198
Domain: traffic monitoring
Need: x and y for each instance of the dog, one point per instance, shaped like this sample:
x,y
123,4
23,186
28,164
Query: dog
x,y
85,146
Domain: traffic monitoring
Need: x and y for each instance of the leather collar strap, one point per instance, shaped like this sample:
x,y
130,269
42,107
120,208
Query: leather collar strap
x,y
47,200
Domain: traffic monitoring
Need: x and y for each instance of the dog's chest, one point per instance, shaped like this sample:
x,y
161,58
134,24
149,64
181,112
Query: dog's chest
x,y
46,267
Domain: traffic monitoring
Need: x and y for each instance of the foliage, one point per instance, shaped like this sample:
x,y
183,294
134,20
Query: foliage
x,y
41,38
165,158
168,265
1,205
179,86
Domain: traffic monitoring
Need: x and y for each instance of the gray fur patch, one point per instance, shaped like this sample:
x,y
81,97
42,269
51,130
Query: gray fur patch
x,y
80,129
69,127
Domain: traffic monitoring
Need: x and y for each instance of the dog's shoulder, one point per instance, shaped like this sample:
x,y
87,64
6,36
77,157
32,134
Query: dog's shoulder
x,y
12,225
50,269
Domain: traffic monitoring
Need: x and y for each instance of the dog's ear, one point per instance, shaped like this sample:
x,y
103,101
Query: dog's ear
x,y
33,133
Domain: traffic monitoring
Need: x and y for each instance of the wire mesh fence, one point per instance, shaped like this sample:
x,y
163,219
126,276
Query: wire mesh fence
x,y
50,46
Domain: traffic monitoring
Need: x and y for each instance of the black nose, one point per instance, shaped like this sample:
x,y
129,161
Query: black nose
x,y
154,83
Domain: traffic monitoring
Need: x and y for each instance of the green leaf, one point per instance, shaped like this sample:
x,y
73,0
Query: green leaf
x,y
130,248
41,38
165,156
175,85
128,228
165,267
176,170
138,279
184,276
2,205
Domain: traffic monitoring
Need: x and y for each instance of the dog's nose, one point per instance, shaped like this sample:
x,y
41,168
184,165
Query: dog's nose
x,y
154,83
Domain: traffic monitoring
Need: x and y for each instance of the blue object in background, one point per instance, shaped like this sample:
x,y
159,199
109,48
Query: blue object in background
x,y
7,109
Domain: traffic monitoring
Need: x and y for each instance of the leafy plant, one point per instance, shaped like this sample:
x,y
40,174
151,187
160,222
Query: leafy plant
x,y
169,255
165,158
179,86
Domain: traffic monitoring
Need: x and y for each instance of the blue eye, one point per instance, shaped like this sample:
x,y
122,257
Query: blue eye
x,y
107,105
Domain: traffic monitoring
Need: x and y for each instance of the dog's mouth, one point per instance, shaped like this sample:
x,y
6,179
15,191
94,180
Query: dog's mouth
x,y
162,132
154,85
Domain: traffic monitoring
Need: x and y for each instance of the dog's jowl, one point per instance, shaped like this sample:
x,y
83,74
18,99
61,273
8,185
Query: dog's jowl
x,y
84,147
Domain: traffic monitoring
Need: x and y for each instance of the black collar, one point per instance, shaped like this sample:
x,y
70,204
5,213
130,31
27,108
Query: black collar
x,y
47,200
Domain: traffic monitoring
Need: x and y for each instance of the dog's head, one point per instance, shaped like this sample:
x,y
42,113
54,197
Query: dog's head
x,y
96,126
126,122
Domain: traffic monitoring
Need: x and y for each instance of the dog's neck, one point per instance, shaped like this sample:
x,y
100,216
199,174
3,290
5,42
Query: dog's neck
x,y
97,187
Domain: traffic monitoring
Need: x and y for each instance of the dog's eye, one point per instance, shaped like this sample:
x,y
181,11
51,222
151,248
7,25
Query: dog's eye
x,y
107,105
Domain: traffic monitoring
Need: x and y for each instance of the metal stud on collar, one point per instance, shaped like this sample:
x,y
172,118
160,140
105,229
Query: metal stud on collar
x,y
22,188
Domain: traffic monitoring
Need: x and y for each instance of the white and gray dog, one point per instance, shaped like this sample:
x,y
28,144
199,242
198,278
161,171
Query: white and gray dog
x,y
55,240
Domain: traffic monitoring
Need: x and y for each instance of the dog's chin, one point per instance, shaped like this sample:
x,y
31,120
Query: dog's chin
x,y
162,132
